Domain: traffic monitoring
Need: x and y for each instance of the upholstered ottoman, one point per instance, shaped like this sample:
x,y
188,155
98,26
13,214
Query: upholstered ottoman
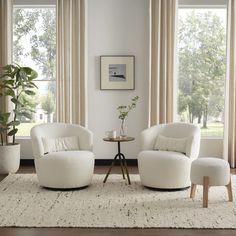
x,y
209,171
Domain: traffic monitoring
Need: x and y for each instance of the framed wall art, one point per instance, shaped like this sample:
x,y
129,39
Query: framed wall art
x,y
117,72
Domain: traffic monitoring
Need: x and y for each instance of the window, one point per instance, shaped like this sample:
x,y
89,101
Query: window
x,y
34,45
201,68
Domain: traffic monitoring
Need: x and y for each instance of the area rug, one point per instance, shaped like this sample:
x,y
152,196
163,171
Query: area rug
x,y
23,203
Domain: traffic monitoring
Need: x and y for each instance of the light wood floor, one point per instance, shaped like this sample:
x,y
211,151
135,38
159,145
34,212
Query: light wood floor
x,y
108,232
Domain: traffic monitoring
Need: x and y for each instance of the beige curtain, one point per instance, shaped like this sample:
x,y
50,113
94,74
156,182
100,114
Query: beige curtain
x,y
163,15
5,41
230,107
71,82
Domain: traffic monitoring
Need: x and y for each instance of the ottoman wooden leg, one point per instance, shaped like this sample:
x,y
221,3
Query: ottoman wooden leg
x,y
193,190
230,192
205,191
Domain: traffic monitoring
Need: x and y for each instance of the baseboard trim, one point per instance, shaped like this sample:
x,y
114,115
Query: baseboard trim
x,y
98,162
27,162
107,162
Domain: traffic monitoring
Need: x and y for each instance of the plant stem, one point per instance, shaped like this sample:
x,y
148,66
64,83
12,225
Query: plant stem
x,y
6,139
1,139
14,119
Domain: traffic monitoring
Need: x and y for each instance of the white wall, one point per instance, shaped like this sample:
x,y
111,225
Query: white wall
x,y
26,151
208,148
211,148
117,27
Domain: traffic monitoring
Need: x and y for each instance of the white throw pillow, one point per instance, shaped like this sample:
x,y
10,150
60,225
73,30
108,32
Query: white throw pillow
x,y
170,144
60,144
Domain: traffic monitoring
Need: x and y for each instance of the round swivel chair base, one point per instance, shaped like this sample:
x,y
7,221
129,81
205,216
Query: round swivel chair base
x,y
65,169
167,189
65,189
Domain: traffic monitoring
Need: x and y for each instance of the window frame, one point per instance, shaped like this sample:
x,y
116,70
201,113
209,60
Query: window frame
x,y
195,4
33,4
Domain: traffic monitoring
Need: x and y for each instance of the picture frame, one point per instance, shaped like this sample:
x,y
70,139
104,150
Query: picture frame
x,y
117,72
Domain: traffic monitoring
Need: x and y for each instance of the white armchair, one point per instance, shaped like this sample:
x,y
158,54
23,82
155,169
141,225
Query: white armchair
x,y
63,169
168,169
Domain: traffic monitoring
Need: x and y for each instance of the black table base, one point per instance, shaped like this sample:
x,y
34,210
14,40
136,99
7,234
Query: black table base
x,y
123,165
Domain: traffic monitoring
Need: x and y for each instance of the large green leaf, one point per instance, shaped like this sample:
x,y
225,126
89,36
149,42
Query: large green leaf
x,y
12,132
15,101
8,82
33,84
33,75
27,70
14,123
23,75
9,68
29,92
9,92
29,85
4,117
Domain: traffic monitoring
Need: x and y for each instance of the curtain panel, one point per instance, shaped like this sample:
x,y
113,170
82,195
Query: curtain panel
x,y
71,77
230,100
163,18
5,41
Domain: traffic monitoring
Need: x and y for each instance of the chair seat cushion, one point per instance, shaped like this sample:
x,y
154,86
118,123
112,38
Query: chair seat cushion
x,y
68,169
165,155
218,171
164,169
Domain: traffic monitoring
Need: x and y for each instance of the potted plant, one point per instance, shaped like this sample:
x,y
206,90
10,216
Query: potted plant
x,y
15,82
123,113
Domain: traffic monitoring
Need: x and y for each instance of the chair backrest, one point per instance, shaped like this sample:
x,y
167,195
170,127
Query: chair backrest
x,y
55,130
173,130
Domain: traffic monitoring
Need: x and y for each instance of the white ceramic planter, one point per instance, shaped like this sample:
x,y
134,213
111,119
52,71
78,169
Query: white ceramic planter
x,y
9,158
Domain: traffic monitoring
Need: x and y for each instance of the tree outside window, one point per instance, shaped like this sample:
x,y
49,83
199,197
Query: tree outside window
x,y
202,68
34,45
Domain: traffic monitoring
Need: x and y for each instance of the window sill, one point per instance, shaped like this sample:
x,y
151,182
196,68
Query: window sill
x,y
22,137
212,138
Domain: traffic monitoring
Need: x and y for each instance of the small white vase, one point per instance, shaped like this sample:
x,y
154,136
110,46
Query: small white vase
x,y
9,158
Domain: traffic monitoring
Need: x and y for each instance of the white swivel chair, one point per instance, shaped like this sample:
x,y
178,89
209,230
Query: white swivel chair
x,y
63,169
168,169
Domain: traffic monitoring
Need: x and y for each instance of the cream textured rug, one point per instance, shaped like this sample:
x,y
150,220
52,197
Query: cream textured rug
x,y
116,204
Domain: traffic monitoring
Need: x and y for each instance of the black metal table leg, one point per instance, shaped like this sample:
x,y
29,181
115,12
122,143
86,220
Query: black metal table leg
x,y
121,162
126,168
122,166
109,171
121,156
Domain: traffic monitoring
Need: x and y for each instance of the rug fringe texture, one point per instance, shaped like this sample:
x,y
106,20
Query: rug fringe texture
x,y
23,203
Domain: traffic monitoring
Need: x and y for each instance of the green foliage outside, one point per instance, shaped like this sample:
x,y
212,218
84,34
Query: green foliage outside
x,y
40,26
48,104
24,128
202,59
34,40
202,66
213,130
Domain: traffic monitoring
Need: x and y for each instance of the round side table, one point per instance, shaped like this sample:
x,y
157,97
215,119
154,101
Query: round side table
x,y
119,155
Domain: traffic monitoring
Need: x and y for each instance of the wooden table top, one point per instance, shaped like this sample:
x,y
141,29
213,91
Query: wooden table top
x,y
119,139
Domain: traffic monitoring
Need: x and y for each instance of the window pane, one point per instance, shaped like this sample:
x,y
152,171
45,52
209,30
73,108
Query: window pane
x,y
34,45
202,68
